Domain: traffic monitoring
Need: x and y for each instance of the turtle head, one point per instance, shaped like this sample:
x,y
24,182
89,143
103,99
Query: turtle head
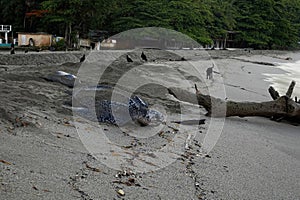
x,y
140,112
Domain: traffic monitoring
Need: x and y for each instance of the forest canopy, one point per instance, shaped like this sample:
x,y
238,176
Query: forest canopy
x,y
261,24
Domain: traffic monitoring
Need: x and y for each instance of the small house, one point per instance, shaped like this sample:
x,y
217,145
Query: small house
x,y
35,39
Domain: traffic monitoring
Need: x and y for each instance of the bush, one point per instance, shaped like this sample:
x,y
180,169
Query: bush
x,y
60,45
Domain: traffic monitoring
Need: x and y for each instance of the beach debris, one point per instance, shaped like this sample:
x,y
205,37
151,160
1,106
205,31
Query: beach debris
x,y
129,177
10,128
161,133
66,122
39,124
188,141
121,192
59,135
129,182
35,188
282,107
126,173
173,128
5,162
190,122
94,169
132,182
21,123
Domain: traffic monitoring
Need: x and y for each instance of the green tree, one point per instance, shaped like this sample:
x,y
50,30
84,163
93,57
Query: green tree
x,y
191,18
72,15
187,16
254,22
259,23
136,14
224,18
268,23
286,24
102,12
13,13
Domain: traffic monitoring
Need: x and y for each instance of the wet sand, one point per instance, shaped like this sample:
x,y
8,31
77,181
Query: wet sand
x,y
43,154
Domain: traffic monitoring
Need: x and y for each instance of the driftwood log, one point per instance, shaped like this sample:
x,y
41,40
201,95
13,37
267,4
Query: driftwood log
x,y
281,107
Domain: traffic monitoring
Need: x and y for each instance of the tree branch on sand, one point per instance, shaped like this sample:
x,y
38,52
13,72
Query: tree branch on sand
x,y
282,107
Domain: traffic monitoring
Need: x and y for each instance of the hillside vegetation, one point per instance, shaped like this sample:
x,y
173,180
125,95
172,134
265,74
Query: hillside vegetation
x,y
260,24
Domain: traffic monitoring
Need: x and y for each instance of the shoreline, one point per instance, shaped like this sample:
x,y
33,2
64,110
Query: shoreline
x,y
281,81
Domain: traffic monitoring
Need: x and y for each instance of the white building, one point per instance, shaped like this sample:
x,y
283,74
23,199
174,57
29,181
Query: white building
x,y
5,29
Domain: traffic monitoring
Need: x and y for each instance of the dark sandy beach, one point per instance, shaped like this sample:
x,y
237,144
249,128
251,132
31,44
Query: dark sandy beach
x,y
46,151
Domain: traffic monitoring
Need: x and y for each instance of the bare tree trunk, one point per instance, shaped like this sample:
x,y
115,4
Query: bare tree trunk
x,y
70,32
282,107
66,33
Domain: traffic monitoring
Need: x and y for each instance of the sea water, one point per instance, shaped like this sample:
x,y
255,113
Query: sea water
x,y
281,82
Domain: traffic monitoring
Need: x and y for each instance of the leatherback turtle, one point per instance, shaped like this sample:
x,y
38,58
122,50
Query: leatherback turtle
x,y
114,112
119,113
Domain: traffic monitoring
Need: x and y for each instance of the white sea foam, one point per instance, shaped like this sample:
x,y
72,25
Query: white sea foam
x,y
281,81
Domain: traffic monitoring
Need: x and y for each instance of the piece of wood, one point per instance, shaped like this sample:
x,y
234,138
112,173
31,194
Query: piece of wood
x,y
274,94
290,90
282,107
